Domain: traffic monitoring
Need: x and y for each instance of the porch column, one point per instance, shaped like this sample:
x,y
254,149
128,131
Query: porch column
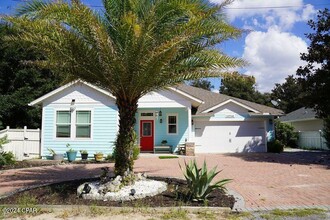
x,y
189,124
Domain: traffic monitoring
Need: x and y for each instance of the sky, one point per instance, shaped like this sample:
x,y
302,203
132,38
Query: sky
x,y
273,40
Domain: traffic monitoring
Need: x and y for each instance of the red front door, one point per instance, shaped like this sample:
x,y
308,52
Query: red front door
x,y
147,135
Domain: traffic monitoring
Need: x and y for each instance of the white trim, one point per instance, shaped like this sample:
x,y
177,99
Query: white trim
x,y
42,131
73,124
189,124
177,123
60,89
199,101
233,101
154,130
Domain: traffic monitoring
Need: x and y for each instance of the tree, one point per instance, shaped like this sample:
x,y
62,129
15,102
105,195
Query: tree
x,y
202,83
243,87
132,48
315,75
21,84
288,94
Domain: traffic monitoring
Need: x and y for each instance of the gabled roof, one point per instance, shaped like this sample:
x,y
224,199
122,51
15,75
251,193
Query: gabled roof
x,y
299,115
214,100
60,89
204,100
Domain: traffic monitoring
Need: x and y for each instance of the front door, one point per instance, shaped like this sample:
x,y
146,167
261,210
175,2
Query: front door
x,y
147,135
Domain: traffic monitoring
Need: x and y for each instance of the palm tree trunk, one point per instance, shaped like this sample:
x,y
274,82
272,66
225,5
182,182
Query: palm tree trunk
x,y
126,136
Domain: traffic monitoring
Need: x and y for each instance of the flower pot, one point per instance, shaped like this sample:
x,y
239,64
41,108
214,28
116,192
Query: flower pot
x,y
84,156
98,157
71,155
58,157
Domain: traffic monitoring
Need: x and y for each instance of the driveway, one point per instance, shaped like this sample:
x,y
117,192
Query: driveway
x,y
264,180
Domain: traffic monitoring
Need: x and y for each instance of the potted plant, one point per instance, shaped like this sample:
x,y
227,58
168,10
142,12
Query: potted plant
x,y
84,154
55,155
164,142
71,153
98,156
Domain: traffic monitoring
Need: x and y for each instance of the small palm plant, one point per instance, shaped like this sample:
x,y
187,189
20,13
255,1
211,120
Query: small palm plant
x,y
199,180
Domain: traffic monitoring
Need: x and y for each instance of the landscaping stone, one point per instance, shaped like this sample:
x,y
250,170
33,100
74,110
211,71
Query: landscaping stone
x,y
142,188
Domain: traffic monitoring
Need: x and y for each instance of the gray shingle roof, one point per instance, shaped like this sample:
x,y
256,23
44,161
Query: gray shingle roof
x,y
299,114
212,99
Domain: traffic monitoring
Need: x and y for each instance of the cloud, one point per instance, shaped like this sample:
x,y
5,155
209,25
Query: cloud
x,y
262,14
273,55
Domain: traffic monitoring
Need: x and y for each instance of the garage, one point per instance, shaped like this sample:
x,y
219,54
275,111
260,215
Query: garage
x,y
229,136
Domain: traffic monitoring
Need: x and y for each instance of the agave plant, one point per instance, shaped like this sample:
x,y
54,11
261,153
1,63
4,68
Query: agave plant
x,y
199,180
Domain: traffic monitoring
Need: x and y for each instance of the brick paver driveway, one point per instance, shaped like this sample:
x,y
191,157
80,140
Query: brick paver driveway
x,y
264,180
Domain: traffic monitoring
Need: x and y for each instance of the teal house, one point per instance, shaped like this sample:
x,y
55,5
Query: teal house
x,y
86,117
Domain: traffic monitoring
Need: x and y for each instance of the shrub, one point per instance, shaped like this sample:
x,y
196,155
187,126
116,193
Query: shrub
x,y
275,146
136,152
7,158
199,180
285,134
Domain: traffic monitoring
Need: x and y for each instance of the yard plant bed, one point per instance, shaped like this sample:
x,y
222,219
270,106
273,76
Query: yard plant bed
x,y
65,193
39,163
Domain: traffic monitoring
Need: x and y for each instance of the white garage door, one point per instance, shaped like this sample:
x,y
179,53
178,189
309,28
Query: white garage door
x,y
226,137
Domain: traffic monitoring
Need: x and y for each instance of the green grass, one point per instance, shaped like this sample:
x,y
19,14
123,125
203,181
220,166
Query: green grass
x,y
239,216
167,157
280,214
297,212
176,214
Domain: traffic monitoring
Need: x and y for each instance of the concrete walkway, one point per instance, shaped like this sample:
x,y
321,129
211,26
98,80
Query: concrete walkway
x,y
264,180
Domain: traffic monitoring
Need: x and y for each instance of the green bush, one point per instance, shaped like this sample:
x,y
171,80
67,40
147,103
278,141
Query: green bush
x,y
136,152
7,158
285,134
275,146
199,180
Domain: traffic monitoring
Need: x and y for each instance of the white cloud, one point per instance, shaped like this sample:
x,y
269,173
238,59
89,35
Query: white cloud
x,y
273,55
264,13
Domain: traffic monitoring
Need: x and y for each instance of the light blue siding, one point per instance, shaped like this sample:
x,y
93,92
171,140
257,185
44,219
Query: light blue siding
x,y
161,128
104,131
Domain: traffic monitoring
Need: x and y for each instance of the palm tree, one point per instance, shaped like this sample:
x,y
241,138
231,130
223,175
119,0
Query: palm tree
x,y
130,48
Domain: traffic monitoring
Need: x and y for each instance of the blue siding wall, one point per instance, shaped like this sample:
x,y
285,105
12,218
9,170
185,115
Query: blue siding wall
x,y
161,128
104,131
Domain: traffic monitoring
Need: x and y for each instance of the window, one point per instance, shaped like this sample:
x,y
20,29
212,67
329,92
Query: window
x,y
172,124
63,124
83,124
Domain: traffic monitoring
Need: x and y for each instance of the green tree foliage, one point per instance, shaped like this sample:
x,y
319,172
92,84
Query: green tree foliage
x,y
315,75
285,134
243,87
20,84
288,94
202,83
130,49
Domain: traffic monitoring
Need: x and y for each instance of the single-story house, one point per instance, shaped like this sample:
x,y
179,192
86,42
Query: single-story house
x,y
308,126
86,117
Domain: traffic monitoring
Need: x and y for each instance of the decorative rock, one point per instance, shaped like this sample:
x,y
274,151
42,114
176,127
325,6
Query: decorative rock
x,y
143,188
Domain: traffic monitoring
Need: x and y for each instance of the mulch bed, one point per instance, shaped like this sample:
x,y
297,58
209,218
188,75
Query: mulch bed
x,y
65,194
40,163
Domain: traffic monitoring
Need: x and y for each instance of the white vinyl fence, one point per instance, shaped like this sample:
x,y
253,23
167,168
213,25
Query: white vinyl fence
x,y
312,140
24,143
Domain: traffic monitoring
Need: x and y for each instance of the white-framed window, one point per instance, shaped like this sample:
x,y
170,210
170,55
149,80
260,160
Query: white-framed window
x,y
63,124
75,124
172,124
83,124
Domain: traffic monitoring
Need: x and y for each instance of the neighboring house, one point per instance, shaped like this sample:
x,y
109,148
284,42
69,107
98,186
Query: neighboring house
x,y
86,117
309,127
